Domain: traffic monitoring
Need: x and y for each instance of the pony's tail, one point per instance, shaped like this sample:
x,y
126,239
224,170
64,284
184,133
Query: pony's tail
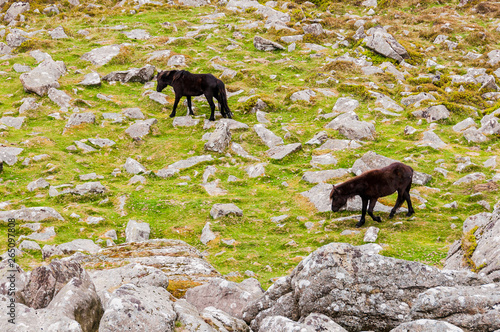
x,y
223,99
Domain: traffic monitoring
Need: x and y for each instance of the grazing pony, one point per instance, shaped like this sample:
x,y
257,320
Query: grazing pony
x,y
374,184
187,84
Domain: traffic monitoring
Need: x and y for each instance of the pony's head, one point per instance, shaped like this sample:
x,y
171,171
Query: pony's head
x,y
164,78
338,200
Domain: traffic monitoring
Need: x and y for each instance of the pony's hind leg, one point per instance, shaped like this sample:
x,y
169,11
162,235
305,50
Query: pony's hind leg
x,y
399,201
212,107
408,201
373,201
361,221
190,107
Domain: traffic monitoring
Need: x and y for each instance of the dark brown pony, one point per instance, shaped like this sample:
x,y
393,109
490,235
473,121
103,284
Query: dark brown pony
x,y
374,184
187,84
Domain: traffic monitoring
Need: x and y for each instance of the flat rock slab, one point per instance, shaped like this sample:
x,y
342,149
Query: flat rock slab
x,y
190,162
280,152
80,245
339,145
33,214
138,34
185,121
101,56
101,142
323,176
183,264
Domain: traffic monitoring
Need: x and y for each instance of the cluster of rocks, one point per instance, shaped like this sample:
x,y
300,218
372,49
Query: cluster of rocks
x,y
338,287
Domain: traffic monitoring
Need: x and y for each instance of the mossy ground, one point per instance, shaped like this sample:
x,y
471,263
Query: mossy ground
x,y
180,211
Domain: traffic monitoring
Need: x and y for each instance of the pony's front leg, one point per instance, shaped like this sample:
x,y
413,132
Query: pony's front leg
x,y
190,108
363,212
176,102
373,201
212,109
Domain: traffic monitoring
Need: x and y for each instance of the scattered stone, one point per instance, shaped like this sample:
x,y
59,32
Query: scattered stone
x,y
221,210
206,234
137,232
101,56
263,44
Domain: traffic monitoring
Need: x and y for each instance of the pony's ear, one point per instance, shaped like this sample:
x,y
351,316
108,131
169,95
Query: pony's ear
x,y
333,192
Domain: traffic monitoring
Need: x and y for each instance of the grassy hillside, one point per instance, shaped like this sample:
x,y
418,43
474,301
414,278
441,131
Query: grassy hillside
x,y
178,210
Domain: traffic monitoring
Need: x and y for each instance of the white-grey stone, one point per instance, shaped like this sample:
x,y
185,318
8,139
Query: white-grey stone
x,y
137,231
256,170
132,166
263,44
206,234
91,79
345,105
29,245
280,152
268,137
304,95
221,210
40,183
43,77
101,56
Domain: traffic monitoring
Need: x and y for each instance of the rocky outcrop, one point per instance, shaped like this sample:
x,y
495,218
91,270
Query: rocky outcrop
x,y
357,289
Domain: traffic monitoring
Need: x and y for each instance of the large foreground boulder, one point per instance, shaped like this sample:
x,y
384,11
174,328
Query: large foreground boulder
x,y
360,290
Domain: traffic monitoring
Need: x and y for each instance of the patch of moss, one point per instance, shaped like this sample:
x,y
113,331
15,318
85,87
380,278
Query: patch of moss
x,y
469,244
178,288
355,89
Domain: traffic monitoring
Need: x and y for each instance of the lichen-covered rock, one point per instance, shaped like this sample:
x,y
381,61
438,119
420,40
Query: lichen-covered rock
x,y
263,44
357,289
78,300
267,136
484,229
384,43
471,308
225,295
183,264
46,281
220,139
424,325
133,308
31,214
43,77
221,210
101,56
137,231
142,75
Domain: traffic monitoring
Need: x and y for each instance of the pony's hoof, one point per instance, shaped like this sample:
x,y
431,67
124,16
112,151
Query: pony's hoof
x,y
378,219
409,214
211,119
359,224
391,216
172,115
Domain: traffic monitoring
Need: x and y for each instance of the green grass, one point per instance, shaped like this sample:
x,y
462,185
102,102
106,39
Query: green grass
x,y
180,211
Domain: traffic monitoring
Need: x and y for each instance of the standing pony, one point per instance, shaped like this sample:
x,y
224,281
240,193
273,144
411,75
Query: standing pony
x,y
374,184
187,84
